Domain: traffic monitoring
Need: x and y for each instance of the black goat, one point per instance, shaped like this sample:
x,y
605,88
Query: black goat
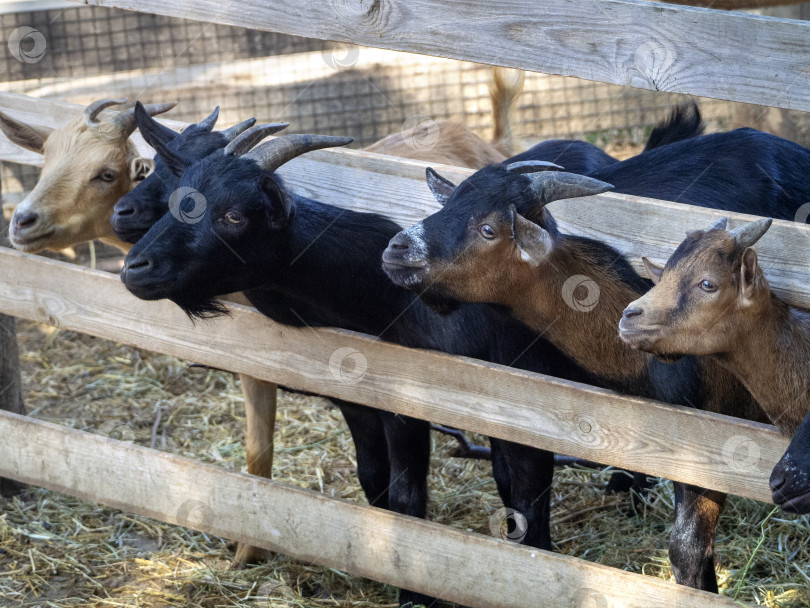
x,y
494,241
136,211
300,262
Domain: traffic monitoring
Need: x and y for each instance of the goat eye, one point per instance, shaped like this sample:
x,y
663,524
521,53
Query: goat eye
x,y
487,231
234,217
106,175
708,286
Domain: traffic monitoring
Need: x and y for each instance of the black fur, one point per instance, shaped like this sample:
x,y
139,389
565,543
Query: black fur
x,y
684,123
136,211
319,265
790,480
744,170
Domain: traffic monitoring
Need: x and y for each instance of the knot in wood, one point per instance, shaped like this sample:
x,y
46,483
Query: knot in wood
x,y
364,14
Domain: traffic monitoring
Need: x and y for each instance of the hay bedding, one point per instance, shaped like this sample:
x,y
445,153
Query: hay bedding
x,y
61,552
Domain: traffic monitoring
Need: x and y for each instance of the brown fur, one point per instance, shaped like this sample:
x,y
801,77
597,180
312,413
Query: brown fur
x,y
452,143
743,326
72,203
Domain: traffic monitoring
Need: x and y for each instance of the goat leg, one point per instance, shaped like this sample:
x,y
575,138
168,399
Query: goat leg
x,y
691,544
260,413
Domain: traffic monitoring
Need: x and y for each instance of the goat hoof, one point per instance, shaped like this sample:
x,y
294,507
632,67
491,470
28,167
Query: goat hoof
x,y
248,554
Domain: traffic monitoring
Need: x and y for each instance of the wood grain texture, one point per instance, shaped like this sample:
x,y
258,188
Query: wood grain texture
x,y
730,5
575,419
365,541
364,181
664,47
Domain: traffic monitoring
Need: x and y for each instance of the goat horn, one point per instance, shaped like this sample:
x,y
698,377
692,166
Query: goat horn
x,y
92,111
531,166
209,122
231,132
246,140
125,121
272,154
718,225
748,234
549,186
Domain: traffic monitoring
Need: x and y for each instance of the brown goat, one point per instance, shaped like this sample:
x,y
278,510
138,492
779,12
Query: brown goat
x,y
452,143
712,298
89,165
572,290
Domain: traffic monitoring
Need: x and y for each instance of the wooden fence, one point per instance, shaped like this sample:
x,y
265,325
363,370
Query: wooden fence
x,y
570,418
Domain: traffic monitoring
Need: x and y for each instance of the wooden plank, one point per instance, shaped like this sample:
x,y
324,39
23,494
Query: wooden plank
x,y
364,181
647,45
730,5
569,418
466,568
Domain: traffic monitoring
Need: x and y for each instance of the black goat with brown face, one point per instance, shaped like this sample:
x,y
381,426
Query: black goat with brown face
x,y
303,262
495,241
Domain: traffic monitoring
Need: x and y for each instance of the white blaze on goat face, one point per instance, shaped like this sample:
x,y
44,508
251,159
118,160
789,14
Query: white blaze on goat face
x,y
418,251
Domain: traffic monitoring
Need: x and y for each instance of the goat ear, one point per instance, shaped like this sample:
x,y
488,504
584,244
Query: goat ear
x,y
279,203
25,136
140,169
751,278
150,129
533,243
654,270
441,187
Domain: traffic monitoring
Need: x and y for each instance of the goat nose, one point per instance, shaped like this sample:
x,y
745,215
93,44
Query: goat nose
x,y
25,220
778,479
142,263
122,211
629,313
401,241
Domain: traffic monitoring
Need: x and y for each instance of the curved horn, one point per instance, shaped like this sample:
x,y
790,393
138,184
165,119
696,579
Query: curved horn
x,y
272,154
748,234
208,122
532,166
91,112
551,186
245,141
231,132
718,225
125,121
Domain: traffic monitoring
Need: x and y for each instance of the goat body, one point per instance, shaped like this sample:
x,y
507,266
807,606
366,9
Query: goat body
x,y
712,299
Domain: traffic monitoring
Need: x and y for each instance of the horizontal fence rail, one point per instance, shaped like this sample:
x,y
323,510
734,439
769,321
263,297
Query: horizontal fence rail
x,y
570,418
364,181
649,45
365,541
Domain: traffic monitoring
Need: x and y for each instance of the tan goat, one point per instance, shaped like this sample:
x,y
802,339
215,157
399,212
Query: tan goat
x,y
89,164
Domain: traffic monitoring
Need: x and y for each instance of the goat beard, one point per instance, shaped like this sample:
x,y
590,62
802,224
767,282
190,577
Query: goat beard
x,y
201,309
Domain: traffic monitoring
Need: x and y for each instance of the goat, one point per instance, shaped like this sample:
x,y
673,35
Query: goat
x,y
712,298
304,262
89,164
495,241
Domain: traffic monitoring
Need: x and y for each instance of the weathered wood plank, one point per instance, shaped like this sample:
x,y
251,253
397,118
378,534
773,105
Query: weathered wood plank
x,y
730,5
569,418
647,45
364,181
470,569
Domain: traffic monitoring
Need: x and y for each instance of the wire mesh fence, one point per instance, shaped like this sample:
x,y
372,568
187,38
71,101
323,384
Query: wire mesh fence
x,y
93,52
